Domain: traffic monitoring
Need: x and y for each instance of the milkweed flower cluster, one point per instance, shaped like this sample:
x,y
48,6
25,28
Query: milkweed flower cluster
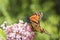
x,y
20,31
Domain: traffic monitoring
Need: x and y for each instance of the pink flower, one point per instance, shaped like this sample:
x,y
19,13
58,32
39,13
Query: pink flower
x,y
20,31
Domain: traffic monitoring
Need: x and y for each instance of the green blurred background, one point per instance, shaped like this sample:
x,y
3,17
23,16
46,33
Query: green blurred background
x,y
13,10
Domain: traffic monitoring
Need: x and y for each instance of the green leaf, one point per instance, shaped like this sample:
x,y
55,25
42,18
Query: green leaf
x,y
2,34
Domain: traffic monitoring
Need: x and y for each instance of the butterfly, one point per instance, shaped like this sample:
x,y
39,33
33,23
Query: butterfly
x,y
35,22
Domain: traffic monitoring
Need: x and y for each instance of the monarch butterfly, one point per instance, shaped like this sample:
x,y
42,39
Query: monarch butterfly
x,y
34,22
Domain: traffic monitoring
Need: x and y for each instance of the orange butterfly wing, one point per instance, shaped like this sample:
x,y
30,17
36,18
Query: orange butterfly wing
x,y
35,18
